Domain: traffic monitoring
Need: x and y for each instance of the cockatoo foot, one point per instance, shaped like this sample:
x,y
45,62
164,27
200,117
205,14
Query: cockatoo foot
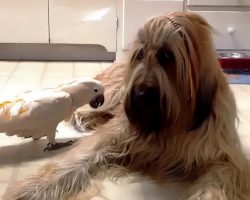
x,y
26,137
58,145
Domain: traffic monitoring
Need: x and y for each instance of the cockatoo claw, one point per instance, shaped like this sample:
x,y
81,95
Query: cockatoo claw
x,y
58,145
26,137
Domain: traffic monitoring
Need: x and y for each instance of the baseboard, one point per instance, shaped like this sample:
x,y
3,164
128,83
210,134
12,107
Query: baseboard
x,y
55,52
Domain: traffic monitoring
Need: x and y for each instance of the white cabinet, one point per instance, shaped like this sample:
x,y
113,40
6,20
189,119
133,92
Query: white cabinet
x,y
230,19
232,28
59,21
137,12
24,21
218,2
83,22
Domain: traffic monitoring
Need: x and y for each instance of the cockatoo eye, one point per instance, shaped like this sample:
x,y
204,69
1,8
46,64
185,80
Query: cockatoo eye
x,y
96,90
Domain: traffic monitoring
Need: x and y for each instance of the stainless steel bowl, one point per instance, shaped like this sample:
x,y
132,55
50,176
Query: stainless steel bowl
x,y
234,55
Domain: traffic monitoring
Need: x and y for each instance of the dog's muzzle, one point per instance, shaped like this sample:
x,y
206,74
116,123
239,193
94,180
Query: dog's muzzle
x,y
97,101
143,108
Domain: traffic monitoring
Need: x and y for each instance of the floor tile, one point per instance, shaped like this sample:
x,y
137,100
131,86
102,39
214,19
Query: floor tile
x,y
3,80
245,140
63,69
26,77
239,91
105,65
25,151
54,82
244,125
87,69
6,68
168,191
5,173
3,187
9,140
243,103
57,73
30,70
7,71
30,168
125,191
22,157
245,88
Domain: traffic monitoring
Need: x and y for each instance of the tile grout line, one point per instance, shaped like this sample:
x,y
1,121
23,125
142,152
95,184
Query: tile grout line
x,y
244,90
15,173
73,70
43,75
101,65
10,75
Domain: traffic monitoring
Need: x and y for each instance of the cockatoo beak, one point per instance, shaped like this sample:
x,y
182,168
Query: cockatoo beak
x,y
97,101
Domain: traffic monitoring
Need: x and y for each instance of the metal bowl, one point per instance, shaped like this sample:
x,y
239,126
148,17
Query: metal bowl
x,y
233,55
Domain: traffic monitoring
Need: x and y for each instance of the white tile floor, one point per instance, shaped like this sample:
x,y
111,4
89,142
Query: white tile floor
x,y
19,157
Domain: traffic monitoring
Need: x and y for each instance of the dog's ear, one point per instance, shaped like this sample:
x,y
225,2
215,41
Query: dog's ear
x,y
141,35
204,102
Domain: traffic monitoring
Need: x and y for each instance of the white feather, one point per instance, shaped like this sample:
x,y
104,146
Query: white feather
x,y
37,113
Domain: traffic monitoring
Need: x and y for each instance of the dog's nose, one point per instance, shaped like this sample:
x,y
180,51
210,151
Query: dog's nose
x,y
145,109
143,96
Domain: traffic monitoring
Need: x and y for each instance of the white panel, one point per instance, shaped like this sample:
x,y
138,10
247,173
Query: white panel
x,y
219,2
137,12
233,28
24,21
83,22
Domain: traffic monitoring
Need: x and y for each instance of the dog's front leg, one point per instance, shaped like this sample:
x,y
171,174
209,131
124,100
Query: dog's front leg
x,y
67,176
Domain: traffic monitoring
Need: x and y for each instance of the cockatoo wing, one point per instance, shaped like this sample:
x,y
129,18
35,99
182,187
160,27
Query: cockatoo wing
x,y
35,113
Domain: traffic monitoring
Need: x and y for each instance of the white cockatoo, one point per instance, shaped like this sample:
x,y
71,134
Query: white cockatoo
x,y
37,113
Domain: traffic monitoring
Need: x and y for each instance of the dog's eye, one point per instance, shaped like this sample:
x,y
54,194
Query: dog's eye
x,y
140,54
164,57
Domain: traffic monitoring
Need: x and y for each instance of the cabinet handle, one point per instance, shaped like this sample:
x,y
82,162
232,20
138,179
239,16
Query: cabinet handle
x,y
231,30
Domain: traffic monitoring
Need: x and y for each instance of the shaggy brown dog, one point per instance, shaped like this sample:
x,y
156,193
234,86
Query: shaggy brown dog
x,y
169,114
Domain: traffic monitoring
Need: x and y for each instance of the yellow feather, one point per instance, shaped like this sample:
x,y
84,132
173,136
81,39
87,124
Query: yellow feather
x,y
13,108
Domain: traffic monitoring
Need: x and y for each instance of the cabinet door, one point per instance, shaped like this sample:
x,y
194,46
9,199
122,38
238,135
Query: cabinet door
x,y
24,21
231,27
83,22
137,12
218,3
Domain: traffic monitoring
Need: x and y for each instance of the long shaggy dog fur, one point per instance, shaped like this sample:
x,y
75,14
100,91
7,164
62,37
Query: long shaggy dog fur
x,y
169,115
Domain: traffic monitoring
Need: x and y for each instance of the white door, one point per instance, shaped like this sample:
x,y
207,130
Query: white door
x,y
24,21
137,12
83,22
